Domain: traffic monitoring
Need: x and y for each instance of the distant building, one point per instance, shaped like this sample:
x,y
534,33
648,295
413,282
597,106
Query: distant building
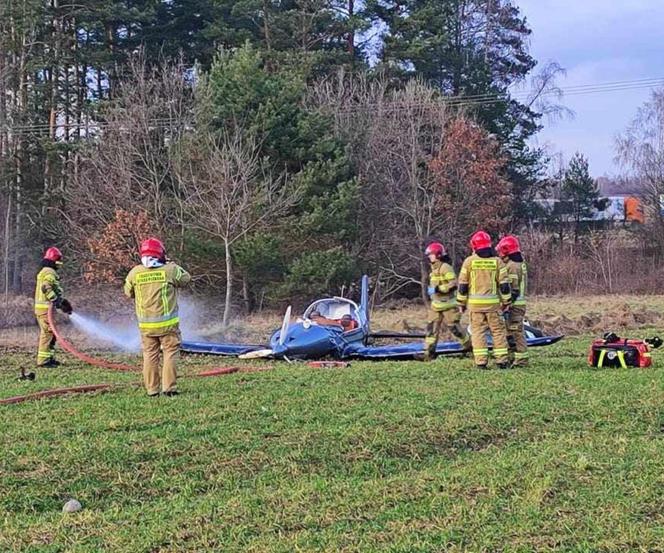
x,y
619,209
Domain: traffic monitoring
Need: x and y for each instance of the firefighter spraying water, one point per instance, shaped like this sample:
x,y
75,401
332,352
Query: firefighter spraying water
x,y
48,290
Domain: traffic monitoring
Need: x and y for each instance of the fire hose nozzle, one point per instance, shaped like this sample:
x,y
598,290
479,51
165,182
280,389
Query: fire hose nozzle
x,y
27,376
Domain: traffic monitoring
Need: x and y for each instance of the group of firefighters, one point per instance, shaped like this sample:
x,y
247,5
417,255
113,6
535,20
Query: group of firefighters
x,y
490,287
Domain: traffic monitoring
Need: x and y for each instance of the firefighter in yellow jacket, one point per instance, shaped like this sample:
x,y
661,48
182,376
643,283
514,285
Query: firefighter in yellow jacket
x,y
484,289
509,250
48,291
154,286
441,291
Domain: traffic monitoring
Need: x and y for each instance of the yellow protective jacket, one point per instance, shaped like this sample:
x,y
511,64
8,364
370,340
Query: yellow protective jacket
x,y
156,297
518,273
443,279
47,290
484,283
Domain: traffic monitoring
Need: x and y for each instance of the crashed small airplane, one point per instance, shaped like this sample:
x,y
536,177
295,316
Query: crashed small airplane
x,y
339,328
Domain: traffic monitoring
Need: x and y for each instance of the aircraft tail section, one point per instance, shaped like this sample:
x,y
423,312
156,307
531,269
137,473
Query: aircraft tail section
x,y
364,299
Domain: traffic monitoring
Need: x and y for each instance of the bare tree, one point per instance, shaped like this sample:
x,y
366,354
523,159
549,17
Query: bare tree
x,y
128,163
544,94
427,172
393,136
228,194
641,150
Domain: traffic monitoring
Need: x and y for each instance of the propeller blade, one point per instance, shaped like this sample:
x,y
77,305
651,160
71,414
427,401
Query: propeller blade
x,y
284,327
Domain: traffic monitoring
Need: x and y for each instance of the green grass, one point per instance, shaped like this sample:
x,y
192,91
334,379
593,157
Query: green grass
x,y
403,457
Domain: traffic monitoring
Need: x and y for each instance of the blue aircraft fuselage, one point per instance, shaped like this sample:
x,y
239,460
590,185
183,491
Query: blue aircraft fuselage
x,y
309,340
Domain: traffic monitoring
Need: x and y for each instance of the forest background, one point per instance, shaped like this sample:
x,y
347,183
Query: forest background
x,y
281,149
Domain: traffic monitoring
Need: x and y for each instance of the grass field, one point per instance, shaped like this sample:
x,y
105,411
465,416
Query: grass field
x,y
404,457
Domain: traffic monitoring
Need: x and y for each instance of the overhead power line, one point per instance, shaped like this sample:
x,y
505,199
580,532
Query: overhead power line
x,y
92,125
566,90
453,101
492,98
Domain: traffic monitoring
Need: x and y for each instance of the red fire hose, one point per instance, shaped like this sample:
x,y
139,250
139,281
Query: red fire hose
x,y
57,392
80,355
115,366
68,347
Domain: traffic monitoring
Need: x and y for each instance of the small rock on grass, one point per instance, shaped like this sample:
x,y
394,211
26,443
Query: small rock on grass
x,y
72,506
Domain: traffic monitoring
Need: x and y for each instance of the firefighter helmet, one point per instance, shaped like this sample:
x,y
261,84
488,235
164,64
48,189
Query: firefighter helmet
x,y
53,254
435,248
508,245
480,240
153,247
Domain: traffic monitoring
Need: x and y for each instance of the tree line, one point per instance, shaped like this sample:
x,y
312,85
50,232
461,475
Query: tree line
x,y
278,148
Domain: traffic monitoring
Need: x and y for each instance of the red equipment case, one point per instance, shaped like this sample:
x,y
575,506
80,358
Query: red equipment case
x,y
619,353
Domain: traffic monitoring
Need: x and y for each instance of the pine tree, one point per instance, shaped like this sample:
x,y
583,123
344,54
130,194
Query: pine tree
x,y
294,140
473,49
580,191
318,34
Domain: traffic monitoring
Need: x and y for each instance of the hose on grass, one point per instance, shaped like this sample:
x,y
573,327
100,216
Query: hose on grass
x,y
79,354
57,392
102,363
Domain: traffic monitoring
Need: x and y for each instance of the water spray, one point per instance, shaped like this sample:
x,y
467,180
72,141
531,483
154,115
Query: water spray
x,y
79,354
124,338
103,364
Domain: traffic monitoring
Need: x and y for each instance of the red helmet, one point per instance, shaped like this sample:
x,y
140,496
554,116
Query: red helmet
x,y
435,248
153,248
480,240
53,254
508,244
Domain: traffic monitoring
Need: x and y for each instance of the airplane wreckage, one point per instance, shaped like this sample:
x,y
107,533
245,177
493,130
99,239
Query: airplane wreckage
x,y
339,328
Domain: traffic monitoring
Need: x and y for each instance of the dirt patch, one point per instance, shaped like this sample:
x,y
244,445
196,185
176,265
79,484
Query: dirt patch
x,y
621,316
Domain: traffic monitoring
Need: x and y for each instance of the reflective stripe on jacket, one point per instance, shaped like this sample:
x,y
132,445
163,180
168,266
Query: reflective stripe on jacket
x,y
518,272
443,279
483,283
47,289
155,295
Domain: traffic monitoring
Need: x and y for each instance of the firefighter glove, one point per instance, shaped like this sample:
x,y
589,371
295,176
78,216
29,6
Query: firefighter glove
x,y
431,290
66,307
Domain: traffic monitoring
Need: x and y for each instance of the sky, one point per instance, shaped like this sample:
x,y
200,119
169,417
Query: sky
x,y
596,41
